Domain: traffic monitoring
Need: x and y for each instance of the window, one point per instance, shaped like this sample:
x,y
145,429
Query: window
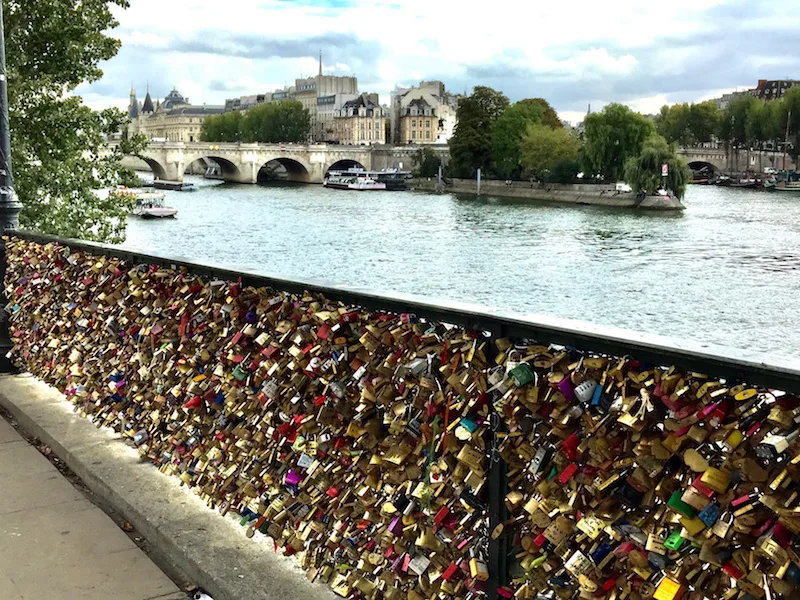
x,y
413,135
428,123
427,135
413,122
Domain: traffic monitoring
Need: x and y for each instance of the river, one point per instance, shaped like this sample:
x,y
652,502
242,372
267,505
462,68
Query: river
x,y
725,271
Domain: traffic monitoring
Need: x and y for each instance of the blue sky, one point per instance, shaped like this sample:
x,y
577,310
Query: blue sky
x,y
571,52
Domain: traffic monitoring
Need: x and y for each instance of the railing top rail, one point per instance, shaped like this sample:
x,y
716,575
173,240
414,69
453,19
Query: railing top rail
x,y
714,360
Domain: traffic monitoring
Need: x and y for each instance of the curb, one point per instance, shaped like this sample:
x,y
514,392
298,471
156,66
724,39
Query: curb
x,y
186,538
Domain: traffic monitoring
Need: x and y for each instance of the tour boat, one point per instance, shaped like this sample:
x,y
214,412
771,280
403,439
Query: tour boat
x,y
352,181
151,206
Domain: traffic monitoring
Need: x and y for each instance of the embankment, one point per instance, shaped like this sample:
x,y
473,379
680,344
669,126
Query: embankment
x,y
579,193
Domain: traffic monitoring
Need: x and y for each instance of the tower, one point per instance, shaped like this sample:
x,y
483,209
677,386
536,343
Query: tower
x,y
320,63
147,107
133,106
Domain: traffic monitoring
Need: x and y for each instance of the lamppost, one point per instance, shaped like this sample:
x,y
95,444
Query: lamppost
x,y
10,207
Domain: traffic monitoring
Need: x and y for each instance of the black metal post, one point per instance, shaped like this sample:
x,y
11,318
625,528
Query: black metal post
x,y
10,206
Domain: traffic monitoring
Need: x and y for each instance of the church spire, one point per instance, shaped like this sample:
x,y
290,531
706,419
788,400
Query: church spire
x,y
320,63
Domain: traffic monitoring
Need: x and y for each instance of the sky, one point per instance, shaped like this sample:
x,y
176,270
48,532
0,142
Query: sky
x,y
571,52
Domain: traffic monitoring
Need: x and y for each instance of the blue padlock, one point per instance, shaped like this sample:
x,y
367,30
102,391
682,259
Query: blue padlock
x,y
709,514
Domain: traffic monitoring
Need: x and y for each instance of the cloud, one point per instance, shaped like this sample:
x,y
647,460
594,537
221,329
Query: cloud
x,y
572,52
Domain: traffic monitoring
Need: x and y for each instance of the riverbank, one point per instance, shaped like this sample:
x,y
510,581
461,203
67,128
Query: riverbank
x,y
579,193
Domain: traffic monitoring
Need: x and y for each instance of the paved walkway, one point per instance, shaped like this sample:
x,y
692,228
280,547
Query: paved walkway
x,y
56,545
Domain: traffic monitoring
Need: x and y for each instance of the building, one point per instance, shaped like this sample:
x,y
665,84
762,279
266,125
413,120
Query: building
x,y
723,101
419,123
361,121
327,109
308,91
772,90
172,119
406,105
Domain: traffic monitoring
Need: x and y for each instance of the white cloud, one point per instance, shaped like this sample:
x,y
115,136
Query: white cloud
x,y
571,52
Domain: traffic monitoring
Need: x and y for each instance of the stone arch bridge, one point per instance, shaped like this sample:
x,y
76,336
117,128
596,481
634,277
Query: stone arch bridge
x,y
241,162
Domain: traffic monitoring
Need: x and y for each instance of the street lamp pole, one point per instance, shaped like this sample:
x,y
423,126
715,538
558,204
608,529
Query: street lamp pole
x,y
10,206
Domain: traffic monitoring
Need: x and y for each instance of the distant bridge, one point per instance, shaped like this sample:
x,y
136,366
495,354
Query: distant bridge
x,y
241,162
718,160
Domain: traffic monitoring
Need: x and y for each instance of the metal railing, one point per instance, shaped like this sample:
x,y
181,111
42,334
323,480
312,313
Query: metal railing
x,y
716,362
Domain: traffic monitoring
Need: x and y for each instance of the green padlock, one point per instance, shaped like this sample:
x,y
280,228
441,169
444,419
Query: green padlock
x,y
239,373
674,541
679,506
521,374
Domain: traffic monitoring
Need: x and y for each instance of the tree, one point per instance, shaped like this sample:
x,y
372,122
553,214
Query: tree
x,y
284,121
761,126
704,120
643,172
543,148
428,162
471,144
509,130
58,145
226,127
673,124
733,127
612,136
790,113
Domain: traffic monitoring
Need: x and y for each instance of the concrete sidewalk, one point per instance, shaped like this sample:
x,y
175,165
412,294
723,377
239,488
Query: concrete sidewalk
x,y
55,544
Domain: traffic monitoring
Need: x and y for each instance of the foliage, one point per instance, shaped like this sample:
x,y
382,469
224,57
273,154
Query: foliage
x,y
733,127
672,123
509,130
57,143
471,144
790,112
704,121
643,172
428,163
284,121
542,148
226,127
565,171
612,136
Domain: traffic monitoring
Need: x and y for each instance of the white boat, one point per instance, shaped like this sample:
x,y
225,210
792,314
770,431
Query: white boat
x,y
365,184
151,206
353,179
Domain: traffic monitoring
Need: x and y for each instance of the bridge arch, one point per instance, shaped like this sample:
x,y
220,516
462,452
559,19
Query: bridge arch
x,y
699,166
344,164
159,170
230,170
284,167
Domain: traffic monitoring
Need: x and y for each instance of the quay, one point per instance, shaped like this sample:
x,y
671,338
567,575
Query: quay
x,y
318,415
586,194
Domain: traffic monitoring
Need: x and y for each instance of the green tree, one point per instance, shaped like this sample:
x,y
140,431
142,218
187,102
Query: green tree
x,y
58,145
428,163
543,148
471,144
226,127
704,121
789,112
673,124
733,127
643,172
284,121
509,130
612,136
761,126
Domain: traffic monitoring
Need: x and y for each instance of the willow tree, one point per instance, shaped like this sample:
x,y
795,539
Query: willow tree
x,y
643,172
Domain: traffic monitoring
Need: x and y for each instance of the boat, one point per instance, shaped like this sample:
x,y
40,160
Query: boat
x,y
787,186
352,181
151,206
175,186
361,180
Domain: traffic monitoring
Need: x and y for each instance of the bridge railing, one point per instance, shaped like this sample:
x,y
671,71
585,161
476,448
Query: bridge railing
x,y
398,444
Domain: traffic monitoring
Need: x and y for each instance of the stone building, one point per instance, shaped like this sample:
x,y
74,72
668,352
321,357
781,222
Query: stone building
x,y
772,90
361,121
431,96
308,91
327,109
419,123
172,119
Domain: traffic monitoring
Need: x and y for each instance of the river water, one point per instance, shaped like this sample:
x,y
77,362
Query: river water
x,y
725,271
